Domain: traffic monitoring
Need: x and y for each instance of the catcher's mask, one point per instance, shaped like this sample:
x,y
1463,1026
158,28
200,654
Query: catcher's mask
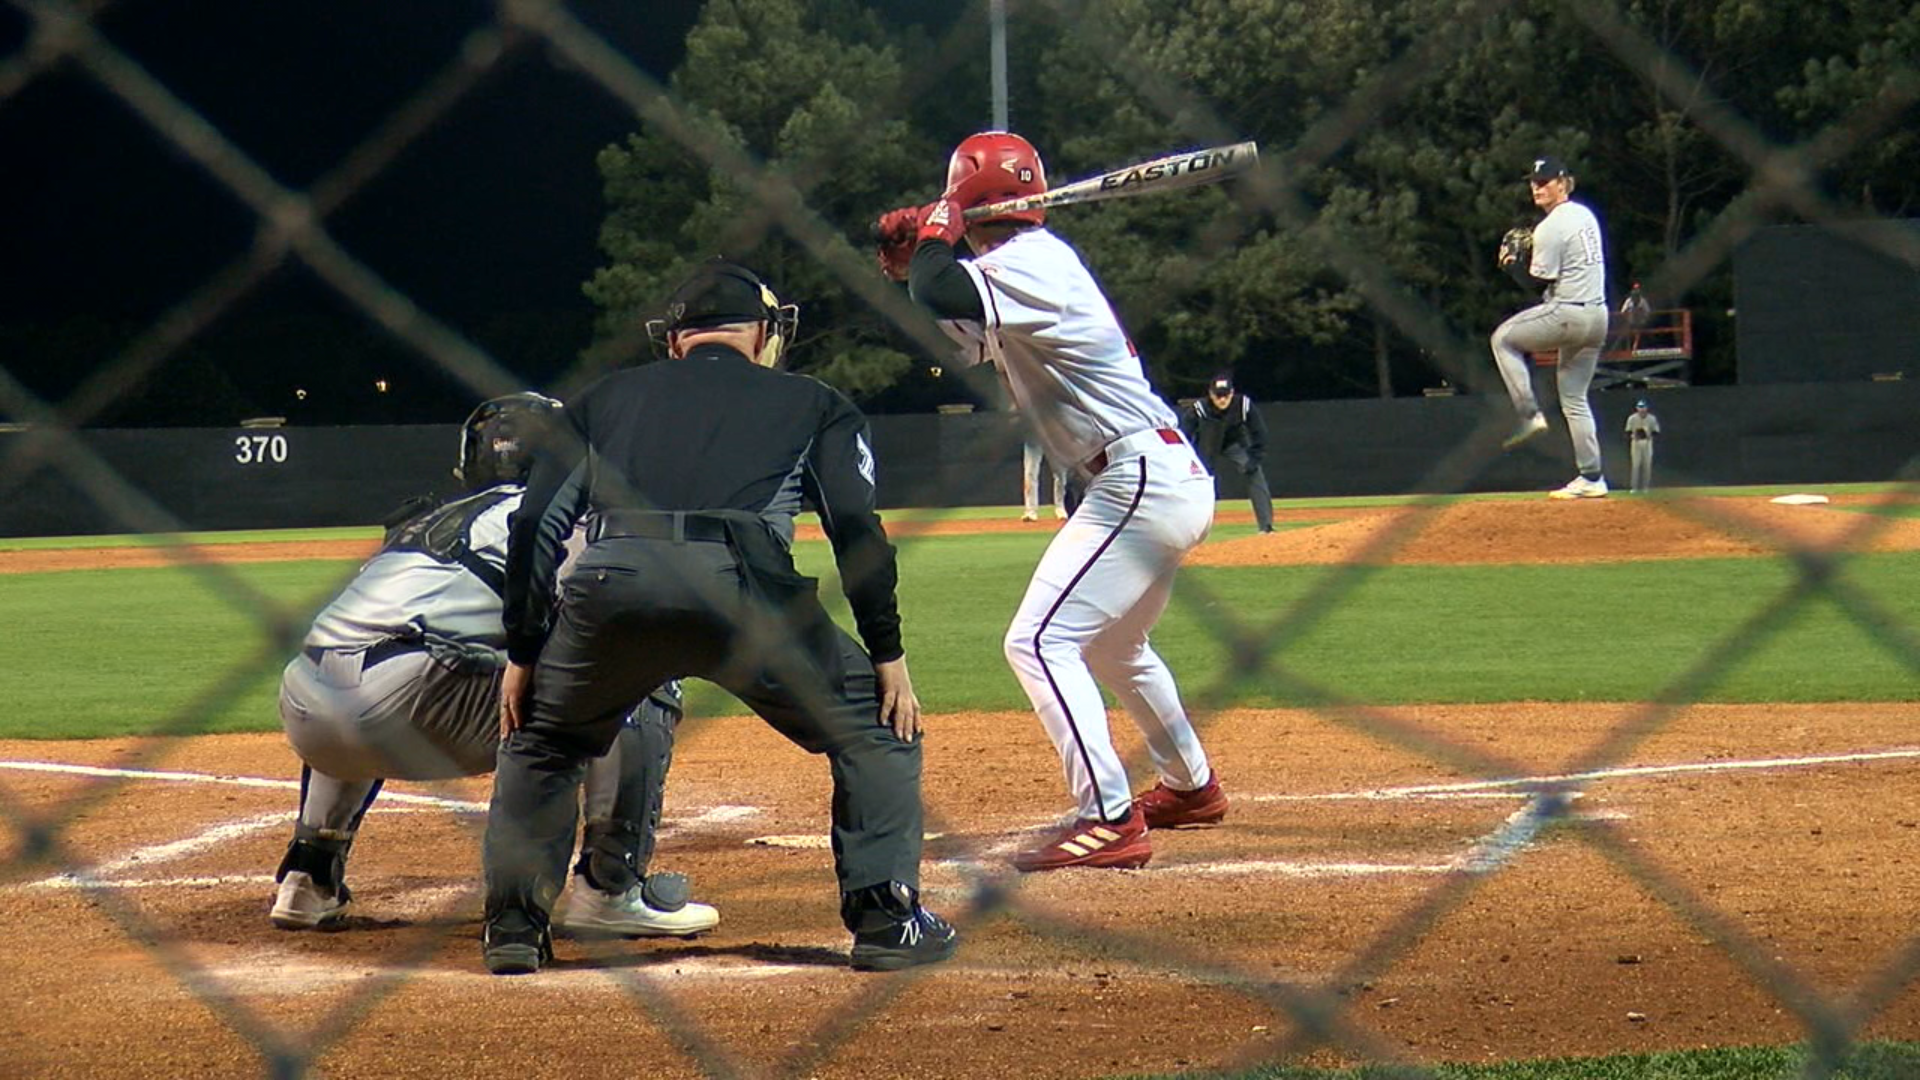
x,y
993,166
499,438
721,293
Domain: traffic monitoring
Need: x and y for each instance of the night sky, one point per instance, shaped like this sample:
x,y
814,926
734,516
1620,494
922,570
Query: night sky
x,y
488,221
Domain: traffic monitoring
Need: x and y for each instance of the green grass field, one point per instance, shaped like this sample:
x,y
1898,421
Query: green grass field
x,y
131,651
114,652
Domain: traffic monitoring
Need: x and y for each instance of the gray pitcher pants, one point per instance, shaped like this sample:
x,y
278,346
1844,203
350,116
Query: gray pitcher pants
x,y
1576,333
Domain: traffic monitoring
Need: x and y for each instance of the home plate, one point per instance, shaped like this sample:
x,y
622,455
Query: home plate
x,y
810,840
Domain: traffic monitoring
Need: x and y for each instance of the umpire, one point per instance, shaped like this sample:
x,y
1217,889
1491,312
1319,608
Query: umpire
x,y
1224,425
694,468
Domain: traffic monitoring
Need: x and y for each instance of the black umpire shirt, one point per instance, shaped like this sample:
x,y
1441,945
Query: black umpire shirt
x,y
1217,431
710,431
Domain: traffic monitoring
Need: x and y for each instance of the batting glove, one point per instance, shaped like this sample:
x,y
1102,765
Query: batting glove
x,y
894,239
942,221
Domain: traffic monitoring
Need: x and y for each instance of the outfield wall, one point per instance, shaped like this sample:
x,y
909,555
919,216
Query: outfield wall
x,y
292,477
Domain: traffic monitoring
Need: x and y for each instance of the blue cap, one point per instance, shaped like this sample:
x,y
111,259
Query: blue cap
x,y
1641,404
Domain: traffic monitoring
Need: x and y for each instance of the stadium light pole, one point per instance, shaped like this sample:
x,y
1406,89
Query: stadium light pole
x,y
997,37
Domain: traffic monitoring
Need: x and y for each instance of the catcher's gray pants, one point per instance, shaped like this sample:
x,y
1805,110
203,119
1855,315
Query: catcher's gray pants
x,y
1640,453
636,612
1576,331
410,716
1257,491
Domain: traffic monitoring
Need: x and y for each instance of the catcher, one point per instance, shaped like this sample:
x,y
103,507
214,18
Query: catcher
x,y
399,678
1564,257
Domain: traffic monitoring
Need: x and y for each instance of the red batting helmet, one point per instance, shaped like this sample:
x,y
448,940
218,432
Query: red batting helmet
x,y
996,165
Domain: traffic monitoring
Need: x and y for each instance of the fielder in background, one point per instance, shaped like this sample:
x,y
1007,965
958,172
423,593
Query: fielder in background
x,y
399,679
694,469
1032,462
1027,303
1225,429
1642,426
1566,261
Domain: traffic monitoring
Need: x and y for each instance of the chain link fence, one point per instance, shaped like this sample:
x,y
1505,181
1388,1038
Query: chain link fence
x,y
291,226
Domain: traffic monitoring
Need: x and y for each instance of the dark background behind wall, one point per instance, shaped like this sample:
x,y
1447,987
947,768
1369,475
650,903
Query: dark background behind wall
x,y
1828,303
159,480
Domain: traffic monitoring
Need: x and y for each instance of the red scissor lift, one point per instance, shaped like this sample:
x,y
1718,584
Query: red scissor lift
x,y
1654,355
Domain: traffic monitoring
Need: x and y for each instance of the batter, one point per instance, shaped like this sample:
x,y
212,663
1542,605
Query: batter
x,y
1026,302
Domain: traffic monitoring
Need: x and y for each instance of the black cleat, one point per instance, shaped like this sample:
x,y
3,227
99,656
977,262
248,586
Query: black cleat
x,y
515,943
892,931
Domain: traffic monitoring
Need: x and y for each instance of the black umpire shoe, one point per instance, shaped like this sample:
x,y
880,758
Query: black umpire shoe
x,y
892,931
515,943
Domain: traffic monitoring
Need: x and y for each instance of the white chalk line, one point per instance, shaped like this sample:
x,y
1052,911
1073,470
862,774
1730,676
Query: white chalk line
x,y
1464,788
460,805
1487,853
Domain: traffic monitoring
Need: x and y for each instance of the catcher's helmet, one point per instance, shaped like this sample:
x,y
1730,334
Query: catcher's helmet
x,y
498,440
721,293
996,165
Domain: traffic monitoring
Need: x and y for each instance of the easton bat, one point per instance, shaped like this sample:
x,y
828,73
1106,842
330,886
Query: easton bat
x,y
1174,172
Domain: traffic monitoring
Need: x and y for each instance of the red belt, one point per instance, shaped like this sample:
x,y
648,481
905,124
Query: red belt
x,y
1098,463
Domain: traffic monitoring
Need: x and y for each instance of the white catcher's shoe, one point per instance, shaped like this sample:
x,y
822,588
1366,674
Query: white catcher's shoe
x,y
1581,488
302,905
627,914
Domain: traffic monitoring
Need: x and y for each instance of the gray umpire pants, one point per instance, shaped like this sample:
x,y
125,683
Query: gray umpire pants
x,y
636,612
1257,491
358,719
1576,331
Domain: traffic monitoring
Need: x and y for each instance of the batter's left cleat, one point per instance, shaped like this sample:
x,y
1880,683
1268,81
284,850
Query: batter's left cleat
x,y
1030,516
1110,845
590,911
1169,808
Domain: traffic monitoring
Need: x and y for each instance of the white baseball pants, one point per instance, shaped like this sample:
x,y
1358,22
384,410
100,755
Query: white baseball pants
x,y
1084,621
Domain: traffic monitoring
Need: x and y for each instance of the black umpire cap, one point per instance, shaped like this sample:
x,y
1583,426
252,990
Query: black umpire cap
x,y
719,293
1222,384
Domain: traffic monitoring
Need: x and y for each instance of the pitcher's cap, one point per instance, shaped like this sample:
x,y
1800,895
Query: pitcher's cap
x,y
1547,168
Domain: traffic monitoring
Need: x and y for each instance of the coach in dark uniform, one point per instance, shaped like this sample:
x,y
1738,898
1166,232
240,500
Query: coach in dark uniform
x,y
694,468
1226,429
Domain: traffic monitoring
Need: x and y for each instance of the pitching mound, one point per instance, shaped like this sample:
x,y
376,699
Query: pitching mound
x,y
1546,531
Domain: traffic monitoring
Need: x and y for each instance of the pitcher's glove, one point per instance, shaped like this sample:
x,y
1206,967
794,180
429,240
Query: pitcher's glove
x,y
895,236
1516,248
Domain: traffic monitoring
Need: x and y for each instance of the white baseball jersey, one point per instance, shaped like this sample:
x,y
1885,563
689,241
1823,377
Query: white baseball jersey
x,y
1567,252
1108,573
1055,337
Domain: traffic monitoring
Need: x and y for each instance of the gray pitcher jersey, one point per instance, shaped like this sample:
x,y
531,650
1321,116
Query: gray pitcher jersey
x,y
1054,335
413,594
1567,252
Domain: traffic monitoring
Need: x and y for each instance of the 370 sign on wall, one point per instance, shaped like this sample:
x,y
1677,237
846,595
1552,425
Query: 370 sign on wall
x,y
260,449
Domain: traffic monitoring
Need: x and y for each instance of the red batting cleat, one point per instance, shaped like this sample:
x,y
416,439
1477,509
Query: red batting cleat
x,y
1114,845
1165,808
